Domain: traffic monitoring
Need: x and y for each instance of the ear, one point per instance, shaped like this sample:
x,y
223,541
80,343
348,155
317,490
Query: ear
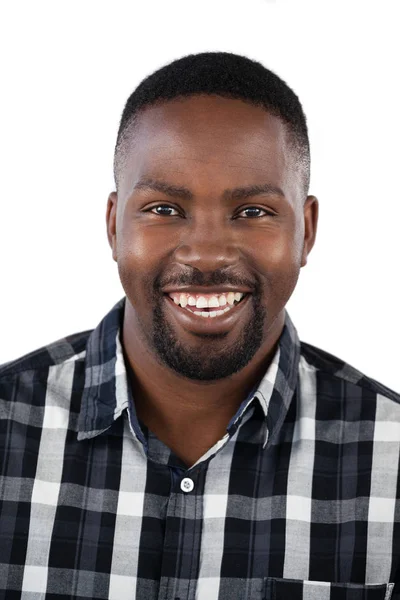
x,y
310,226
111,220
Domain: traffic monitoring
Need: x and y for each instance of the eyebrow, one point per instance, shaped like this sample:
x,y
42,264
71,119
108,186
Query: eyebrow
x,y
239,193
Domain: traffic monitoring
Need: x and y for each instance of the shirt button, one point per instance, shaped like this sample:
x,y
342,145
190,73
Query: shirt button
x,y
187,485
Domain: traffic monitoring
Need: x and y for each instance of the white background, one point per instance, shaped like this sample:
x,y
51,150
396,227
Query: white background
x,y
67,70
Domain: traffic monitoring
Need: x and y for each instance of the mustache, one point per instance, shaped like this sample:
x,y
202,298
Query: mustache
x,y
199,280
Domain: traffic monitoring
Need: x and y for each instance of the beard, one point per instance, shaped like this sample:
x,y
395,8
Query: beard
x,y
208,359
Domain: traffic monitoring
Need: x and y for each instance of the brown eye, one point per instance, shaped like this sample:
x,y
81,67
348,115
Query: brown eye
x,y
256,208
162,214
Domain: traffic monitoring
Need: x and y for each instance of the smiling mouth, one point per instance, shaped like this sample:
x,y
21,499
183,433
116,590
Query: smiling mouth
x,y
209,313
198,324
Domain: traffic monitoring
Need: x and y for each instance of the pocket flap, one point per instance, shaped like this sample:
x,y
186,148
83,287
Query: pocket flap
x,y
298,589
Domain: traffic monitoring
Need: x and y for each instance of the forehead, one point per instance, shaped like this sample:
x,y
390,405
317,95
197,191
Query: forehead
x,y
209,142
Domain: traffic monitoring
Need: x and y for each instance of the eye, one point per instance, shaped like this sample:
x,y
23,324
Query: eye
x,y
164,206
268,212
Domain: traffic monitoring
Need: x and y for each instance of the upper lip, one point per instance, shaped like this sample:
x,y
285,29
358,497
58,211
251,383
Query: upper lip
x,y
206,290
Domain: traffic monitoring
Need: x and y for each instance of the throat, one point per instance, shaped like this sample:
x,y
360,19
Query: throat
x,y
188,436
189,444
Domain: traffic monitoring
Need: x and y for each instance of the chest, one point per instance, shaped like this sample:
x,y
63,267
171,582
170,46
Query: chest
x,y
296,521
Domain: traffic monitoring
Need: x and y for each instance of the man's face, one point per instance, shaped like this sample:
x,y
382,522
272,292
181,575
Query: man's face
x,y
207,145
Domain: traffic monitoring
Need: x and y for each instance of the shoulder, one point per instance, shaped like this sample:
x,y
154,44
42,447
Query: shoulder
x,y
53,354
42,390
336,370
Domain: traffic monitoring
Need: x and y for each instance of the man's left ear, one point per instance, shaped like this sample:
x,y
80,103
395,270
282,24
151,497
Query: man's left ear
x,y
311,209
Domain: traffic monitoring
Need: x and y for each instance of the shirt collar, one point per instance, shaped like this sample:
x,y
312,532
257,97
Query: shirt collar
x,y
106,392
275,390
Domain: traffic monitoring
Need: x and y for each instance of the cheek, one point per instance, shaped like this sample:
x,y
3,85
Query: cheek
x,y
138,259
279,253
138,247
279,261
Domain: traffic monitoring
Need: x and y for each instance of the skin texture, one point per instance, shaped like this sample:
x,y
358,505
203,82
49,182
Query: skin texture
x,y
187,386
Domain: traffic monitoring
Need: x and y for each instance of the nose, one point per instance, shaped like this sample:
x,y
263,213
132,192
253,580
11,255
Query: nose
x,y
208,246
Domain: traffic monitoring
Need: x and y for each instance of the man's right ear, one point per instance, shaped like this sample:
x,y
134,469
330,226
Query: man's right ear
x,y
111,220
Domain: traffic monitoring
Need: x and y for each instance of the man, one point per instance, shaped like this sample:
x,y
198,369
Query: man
x,y
191,447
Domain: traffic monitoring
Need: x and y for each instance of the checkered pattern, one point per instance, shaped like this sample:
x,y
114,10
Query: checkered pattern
x,y
299,500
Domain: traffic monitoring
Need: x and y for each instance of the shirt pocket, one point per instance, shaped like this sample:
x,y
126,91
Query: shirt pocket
x,y
276,588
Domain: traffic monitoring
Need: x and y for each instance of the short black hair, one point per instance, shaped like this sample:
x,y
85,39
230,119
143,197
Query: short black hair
x,y
224,74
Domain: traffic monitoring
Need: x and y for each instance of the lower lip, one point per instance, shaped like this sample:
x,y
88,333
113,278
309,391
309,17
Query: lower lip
x,y
207,324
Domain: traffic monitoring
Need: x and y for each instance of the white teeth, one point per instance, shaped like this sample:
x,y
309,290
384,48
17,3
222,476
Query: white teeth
x,y
201,302
213,302
222,301
230,298
183,300
212,313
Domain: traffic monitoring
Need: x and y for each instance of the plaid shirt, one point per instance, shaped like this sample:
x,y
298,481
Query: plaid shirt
x,y
299,500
